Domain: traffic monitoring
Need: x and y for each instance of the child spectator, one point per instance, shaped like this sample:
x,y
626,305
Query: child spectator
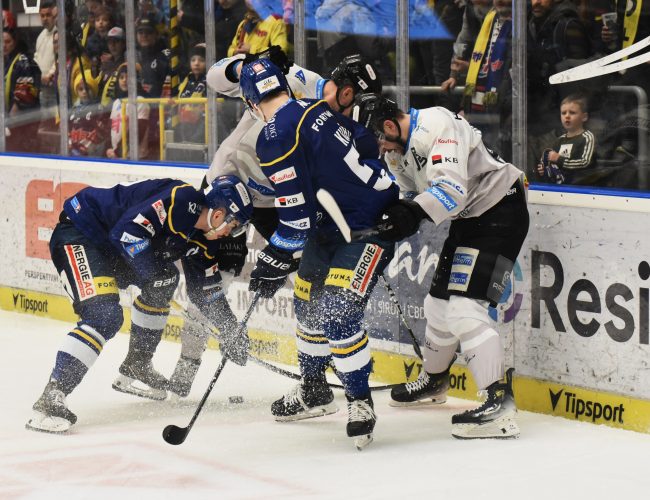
x,y
88,128
192,116
255,34
98,41
121,92
572,151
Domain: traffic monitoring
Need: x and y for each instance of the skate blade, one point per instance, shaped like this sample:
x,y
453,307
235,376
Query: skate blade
x,y
128,385
41,422
418,403
316,411
501,428
362,441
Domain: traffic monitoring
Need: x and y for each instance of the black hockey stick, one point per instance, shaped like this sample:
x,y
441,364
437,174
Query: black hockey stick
x,y
176,435
270,366
393,297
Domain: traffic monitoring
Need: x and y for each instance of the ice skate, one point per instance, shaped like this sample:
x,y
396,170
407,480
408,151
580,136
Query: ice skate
x,y
493,419
428,389
138,377
361,421
50,412
181,380
310,398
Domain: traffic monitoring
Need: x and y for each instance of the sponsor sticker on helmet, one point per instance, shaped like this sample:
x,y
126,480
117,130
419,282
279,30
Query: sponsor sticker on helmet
x,y
233,208
258,68
268,84
243,193
371,71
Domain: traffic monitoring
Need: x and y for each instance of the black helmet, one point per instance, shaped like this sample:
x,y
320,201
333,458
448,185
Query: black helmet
x,y
355,70
370,110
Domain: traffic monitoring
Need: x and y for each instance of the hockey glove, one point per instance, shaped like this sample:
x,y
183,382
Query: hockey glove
x,y
231,253
275,54
400,220
271,271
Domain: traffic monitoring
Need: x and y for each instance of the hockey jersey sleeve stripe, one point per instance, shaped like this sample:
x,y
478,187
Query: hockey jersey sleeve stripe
x,y
293,148
171,224
587,152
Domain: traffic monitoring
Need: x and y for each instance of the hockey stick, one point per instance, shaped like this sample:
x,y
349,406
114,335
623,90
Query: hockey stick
x,y
605,65
176,435
266,364
393,297
328,202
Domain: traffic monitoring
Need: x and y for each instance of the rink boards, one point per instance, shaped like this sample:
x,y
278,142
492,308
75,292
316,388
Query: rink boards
x,y
574,317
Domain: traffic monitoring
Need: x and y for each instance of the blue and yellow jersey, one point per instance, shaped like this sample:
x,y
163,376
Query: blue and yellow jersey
x,y
307,146
147,222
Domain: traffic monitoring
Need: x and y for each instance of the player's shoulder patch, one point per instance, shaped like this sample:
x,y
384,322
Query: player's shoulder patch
x,y
300,75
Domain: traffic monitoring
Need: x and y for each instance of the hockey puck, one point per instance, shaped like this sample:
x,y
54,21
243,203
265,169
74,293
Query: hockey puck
x,y
236,399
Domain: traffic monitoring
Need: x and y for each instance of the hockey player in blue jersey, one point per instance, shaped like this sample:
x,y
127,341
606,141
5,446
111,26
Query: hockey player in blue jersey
x,y
110,238
305,146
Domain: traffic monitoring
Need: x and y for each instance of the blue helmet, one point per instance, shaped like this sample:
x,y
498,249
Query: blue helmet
x,y
229,192
260,78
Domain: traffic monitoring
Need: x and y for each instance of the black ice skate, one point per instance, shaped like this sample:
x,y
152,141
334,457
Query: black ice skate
x,y
181,380
50,412
493,419
361,420
310,398
427,389
138,377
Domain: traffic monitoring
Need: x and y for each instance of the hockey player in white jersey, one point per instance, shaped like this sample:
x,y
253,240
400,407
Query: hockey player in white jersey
x,y
439,155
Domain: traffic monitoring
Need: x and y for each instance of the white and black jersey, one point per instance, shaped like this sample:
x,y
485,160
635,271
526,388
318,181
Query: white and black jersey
x,y
448,164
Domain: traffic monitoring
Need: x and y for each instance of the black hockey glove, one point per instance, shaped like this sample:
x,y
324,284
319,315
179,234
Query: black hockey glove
x,y
275,54
400,220
271,271
231,253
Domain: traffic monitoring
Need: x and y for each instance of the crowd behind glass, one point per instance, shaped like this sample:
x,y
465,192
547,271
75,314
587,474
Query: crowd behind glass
x,y
460,56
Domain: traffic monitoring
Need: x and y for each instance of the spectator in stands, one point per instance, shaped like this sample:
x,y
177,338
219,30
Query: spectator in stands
x,y
44,53
555,35
110,62
431,57
116,149
22,76
88,25
475,12
154,58
255,34
73,64
88,129
228,15
192,116
98,42
345,28
22,81
574,150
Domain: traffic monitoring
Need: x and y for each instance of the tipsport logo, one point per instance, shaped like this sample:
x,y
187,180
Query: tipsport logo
x,y
509,303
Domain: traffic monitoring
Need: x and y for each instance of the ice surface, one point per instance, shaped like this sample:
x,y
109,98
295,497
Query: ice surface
x,y
236,450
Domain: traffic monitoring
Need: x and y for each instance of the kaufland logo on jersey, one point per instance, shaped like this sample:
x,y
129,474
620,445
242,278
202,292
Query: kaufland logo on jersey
x,y
289,201
283,175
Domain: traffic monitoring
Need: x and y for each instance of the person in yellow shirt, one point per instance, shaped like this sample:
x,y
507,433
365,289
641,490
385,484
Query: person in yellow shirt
x,y
255,34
